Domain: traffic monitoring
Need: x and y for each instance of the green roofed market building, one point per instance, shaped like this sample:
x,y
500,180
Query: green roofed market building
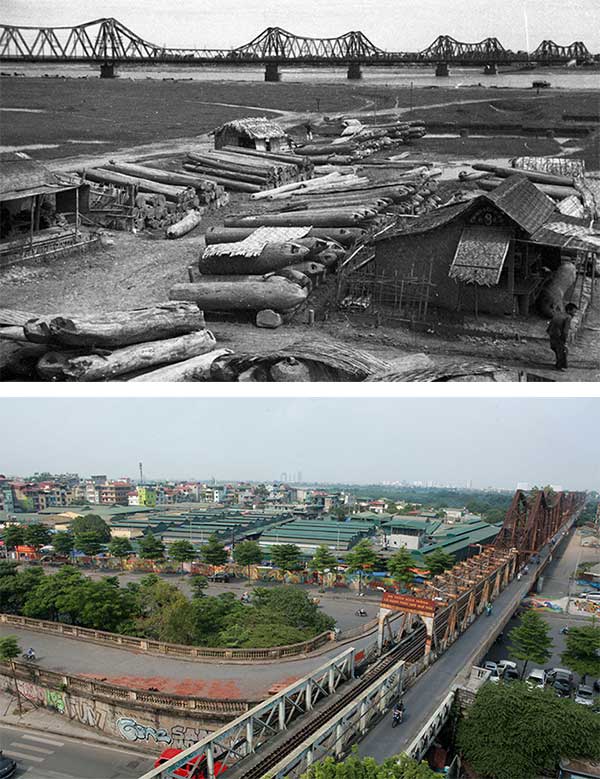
x,y
408,531
310,534
462,540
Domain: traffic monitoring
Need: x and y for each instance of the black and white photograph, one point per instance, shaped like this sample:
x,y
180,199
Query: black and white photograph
x,y
300,192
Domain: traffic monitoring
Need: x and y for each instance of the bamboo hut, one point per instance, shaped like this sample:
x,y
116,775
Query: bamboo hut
x,y
253,133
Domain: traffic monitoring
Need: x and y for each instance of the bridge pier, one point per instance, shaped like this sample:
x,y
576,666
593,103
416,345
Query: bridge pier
x,y
107,70
441,69
491,69
354,71
272,72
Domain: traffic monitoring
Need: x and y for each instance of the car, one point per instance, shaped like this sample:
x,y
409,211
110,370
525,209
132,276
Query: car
x,y
195,768
510,675
562,686
220,576
553,673
504,664
7,766
584,695
492,667
536,678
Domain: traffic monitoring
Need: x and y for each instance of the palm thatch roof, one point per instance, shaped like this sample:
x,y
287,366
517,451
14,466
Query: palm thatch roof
x,y
480,255
254,127
522,202
22,177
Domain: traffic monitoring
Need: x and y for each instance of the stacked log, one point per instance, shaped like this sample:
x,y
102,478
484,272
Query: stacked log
x,y
106,346
554,186
240,172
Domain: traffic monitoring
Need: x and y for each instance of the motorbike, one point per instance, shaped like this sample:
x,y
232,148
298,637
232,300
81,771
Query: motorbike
x,y
29,657
361,613
397,717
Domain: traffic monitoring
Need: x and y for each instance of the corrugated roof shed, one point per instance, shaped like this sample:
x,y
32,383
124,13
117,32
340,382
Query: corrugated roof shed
x,y
523,202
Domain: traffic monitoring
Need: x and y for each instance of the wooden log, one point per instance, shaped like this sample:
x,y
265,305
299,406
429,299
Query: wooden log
x,y
233,185
275,292
58,366
343,235
272,257
120,179
211,161
11,316
309,268
191,220
249,178
291,158
318,150
117,328
533,175
297,219
555,192
12,333
194,369
171,177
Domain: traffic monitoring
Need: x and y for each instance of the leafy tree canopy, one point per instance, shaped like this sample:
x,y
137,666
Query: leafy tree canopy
x,y
9,648
247,553
120,547
182,551
439,561
400,565
323,559
213,552
355,767
582,654
90,523
151,548
287,557
89,542
37,535
531,641
361,557
14,535
63,542
512,731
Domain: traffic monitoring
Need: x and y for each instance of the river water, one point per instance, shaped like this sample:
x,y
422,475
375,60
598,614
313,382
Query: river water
x,y
563,78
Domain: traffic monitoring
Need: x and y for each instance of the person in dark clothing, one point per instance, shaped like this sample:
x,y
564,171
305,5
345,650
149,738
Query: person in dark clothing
x,y
558,330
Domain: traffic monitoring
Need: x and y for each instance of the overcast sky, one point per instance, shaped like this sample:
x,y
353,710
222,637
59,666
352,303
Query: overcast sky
x,y
493,442
403,25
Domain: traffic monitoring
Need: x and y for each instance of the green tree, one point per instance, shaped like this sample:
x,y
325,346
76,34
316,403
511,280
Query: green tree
x,y
151,548
287,557
37,535
511,731
120,547
361,558
63,543
261,492
91,523
247,553
400,567
14,535
182,551
198,584
531,641
339,512
355,767
213,552
323,560
582,654
9,651
439,561
89,542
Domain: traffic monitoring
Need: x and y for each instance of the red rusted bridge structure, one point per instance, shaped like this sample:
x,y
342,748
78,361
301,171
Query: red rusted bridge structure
x,y
109,43
447,604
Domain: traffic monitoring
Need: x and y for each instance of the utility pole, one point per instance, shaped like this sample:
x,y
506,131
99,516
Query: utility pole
x,y
141,474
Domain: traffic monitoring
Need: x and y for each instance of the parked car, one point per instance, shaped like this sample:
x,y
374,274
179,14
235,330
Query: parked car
x,y
220,576
536,678
562,682
504,664
195,768
510,674
584,695
7,766
492,667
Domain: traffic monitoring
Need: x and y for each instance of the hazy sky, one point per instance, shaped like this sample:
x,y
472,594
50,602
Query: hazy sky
x,y
493,442
391,24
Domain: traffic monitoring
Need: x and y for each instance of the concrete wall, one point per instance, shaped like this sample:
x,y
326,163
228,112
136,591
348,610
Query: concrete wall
x,y
122,720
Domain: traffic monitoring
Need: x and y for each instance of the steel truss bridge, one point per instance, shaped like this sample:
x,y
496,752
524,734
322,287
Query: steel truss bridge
x,y
331,708
109,42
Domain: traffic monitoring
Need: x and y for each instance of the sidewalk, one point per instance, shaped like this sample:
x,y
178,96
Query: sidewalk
x,y
39,719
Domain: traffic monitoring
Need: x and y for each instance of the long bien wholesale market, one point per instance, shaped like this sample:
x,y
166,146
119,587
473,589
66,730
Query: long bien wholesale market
x,y
297,208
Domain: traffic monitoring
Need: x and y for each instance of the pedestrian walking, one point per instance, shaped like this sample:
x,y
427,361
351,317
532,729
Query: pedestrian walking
x,y
558,332
519,576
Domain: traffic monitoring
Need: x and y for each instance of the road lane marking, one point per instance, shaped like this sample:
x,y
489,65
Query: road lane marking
x,y
32,773
43,740
20,745
14,753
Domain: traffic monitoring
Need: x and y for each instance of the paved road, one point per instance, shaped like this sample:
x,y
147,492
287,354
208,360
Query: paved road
x,y
453,666
43,756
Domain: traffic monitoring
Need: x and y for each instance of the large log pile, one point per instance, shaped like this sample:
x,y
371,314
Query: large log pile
x,y
103,347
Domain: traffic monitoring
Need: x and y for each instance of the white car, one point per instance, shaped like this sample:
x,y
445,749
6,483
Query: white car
x,y
492,667
584,695
504,664
536,678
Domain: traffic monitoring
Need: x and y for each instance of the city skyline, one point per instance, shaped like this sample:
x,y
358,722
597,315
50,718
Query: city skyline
x,y
518,24
490,443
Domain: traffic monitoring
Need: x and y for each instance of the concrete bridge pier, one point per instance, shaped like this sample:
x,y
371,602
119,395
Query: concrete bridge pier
x,y
491,69
354,71
272,72
441,69
107,70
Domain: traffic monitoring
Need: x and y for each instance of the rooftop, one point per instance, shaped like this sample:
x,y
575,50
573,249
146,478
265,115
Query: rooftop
x,y
254,127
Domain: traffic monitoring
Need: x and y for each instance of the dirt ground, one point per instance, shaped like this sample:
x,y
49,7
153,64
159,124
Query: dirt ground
x,y
128,271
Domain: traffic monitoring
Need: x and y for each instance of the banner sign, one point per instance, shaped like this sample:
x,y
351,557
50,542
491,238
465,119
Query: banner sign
x,y
409,604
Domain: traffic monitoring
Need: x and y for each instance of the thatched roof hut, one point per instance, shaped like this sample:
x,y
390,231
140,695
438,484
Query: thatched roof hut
x,y
253,133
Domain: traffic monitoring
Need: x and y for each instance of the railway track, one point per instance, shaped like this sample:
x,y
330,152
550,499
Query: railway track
x,y
410,649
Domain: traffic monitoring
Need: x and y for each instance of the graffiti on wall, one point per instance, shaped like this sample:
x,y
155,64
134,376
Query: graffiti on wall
x,y
131,730
55,700
31,692
87,713
183,737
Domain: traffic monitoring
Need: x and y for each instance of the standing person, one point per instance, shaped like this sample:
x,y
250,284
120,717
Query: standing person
x,y
558,330
309,131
